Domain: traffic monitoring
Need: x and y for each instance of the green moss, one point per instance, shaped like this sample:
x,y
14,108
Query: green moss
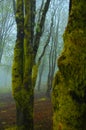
x,y
24,106
22,98
22,86
69,88
77,16
15,128
34,74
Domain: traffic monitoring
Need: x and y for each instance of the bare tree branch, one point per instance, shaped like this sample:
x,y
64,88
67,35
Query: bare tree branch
x,y
40,25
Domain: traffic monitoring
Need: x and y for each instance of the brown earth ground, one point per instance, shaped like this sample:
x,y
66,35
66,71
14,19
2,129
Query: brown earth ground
x,y
42,112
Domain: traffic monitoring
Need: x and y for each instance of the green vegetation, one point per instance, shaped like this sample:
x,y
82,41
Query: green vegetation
x,y
69,90
14,128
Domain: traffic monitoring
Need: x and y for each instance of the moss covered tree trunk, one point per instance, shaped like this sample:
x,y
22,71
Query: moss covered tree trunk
x,y
24,70
22,79
69,90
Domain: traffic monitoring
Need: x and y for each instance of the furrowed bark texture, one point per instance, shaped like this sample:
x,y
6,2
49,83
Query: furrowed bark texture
x,y
69,87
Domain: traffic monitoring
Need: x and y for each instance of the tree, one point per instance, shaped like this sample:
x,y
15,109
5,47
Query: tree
x,y
69,87
41,68
24,70
54,26
53,53
7,24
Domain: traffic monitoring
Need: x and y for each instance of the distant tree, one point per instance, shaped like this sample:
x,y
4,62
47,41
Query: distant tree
x,y
53,52
69,89
51,41
6,24
41,68
14,6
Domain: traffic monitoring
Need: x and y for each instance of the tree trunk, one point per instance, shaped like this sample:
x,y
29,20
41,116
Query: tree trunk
x,y
22,66
24,70
40,74
1,52
69,89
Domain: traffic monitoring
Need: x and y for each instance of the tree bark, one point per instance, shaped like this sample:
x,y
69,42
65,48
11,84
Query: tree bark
x,y
69,87
17,69
14,6
40,26
24,70
22,67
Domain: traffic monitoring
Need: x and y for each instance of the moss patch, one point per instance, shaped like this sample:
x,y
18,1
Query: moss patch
x,y
69,87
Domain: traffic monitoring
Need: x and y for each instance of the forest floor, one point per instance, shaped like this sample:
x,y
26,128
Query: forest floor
x,y
42,112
